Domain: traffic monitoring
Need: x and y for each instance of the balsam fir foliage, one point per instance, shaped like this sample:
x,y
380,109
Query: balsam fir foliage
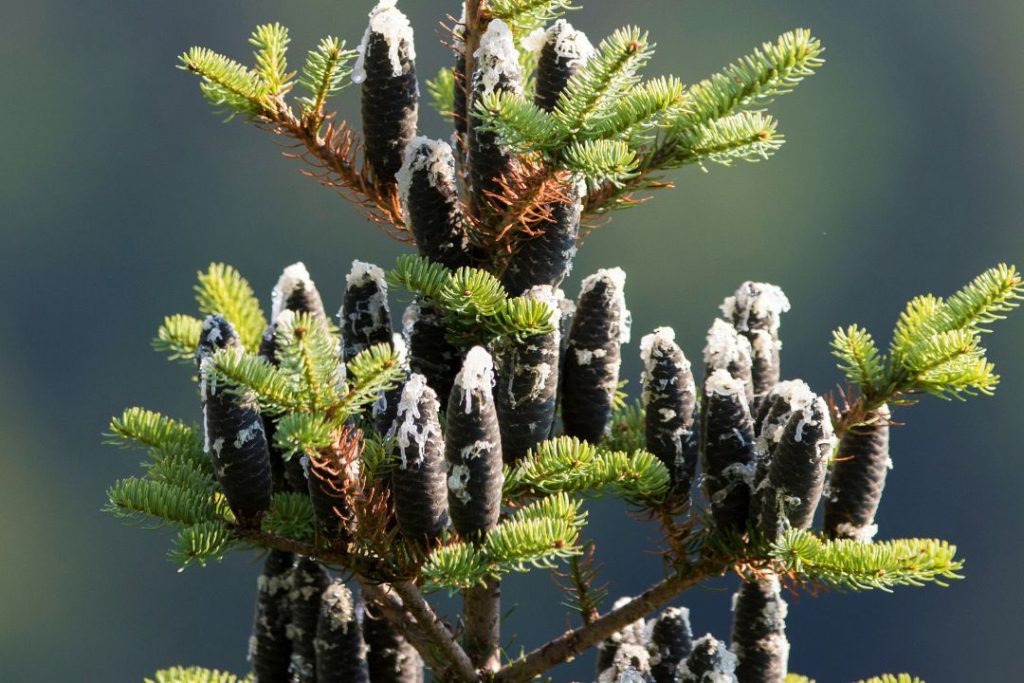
x,y
442,469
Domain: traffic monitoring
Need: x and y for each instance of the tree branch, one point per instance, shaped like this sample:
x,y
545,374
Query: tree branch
x,y
574,642
436,645
482,609
456,662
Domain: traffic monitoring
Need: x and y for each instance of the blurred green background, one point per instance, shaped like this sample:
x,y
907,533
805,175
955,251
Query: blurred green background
x,y
901,175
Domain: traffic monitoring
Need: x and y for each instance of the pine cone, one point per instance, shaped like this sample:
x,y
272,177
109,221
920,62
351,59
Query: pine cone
x,y
296,292
591,370
755,310
430,199
670,642
726,349
789,495
365,318
390,657
340,651
497,71
563,51
386,68
419,477
710,660
670,403
234,432
727,446
858,478
546,259
270,650
473,448
333,478
527,385
308,582
759,632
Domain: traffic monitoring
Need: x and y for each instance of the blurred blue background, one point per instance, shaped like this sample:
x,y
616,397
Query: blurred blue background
x,y
901,175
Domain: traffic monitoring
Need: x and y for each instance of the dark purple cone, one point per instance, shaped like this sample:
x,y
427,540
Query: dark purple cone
x,y
590,375
430,198
671,641
727,446
546,259
269,648
390,656
365,318
268,351
390,94
473,448
632,637
754,311
296,292
329,506
527,386
235,439
670,405
308,582
726,349
497,70
710,660
790,494
419,477
340,651
759,632
564,52
430,352
858,478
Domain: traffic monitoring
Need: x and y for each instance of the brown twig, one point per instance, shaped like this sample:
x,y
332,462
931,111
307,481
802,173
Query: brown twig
x,y
456,661
574,642
423,629
334,149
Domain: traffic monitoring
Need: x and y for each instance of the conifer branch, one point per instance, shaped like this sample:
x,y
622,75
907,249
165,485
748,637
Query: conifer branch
x,y
524,16
643,108
166,436
178,337
259,95
520,124
195,674
201,543
477,308
271,43
568,465
142,500
535,537
223,291
457,662
747,136
325,74
607,76
853,565
441,89
229,86
256,374
602,161
935,349
773,69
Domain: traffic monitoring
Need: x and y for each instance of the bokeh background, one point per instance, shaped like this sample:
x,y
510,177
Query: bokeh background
x,y
902,175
